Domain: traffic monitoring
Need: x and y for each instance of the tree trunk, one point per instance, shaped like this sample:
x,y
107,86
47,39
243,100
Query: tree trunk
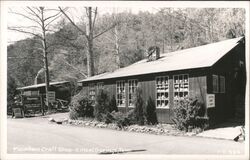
x,y
90,60
45,53
117,48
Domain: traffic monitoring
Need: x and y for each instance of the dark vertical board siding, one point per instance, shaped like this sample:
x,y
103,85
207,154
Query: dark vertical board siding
x,y
171,97
198,87
142,85
126,96
226,103
163,115
147,82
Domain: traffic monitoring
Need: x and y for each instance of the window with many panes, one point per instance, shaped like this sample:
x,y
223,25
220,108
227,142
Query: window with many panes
x,y
31,93
222,84
181,86
132,85
92,92
215,84
120,93
162,92
100,85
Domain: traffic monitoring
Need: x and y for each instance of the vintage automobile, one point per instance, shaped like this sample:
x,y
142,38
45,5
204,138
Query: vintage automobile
x,y
32,99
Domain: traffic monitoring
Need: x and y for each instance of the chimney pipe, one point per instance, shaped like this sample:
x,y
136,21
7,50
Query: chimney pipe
x,y
153,53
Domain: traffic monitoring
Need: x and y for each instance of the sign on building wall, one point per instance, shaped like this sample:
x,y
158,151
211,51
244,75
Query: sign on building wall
x,y
52,96
210,100
17,113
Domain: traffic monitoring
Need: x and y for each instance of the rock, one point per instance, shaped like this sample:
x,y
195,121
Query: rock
x,y
93,124
65,120
70,122
166,131
100,125
131,130
161,130
59,122
78,122
190,133
51,120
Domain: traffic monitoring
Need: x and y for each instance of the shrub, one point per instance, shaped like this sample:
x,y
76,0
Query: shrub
x,y
113,105
139,109
101,107
11,93
80,106
73,114
151,112
121,119
187,114
108,118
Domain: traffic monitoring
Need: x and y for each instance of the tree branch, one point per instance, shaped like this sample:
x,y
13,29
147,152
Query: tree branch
x,y
27,27
51,21
36,8
35,14
34,20
104,31
52,16
74,68
95,15
27,32
83,32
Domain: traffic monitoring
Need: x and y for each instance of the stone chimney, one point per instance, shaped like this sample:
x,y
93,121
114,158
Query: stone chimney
x,y
153,53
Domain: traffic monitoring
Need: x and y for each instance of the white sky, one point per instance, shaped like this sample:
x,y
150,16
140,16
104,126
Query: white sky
x,y
75,13
104,7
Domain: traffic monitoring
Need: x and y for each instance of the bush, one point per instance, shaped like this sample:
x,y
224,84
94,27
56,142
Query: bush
x,y
101,107
113,105
151,112
188,114
139,109
80,106
120,119
11,93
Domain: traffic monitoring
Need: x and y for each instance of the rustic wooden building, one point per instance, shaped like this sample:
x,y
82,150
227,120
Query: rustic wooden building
x,y
215,73
62,90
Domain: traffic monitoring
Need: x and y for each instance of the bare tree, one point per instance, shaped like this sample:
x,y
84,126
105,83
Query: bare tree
x,y
117,48
89,34
41,19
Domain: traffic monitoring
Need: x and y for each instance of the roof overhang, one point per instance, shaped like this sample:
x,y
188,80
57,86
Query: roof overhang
x,y
42,85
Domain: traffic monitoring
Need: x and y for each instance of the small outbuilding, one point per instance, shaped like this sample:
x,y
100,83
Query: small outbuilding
x,y
61,91
215,73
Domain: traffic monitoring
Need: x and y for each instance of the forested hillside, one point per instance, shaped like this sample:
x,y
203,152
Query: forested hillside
x,y
170,29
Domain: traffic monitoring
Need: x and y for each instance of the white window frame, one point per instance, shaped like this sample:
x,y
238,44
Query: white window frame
x,y
92,91
215,84
180,86
120,99
100,85
162,92
222,84
130,88
29,93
